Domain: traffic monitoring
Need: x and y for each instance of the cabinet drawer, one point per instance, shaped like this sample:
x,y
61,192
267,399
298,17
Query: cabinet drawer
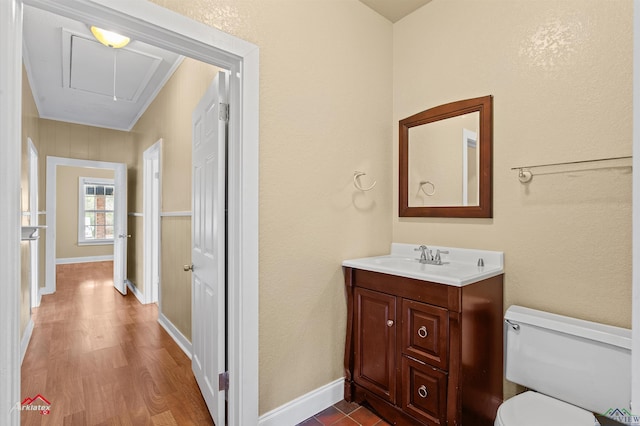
x,y
425,333
424,394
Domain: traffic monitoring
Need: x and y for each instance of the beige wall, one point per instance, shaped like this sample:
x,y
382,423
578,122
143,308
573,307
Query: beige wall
x,y
169,118
176,284
67,181
59,139
561,77
325,112
69,140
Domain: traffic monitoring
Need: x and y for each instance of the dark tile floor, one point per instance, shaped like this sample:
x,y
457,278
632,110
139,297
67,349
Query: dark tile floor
x,y
344,413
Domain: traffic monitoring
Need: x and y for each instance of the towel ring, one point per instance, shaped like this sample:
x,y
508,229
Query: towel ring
x,y
358,185
428,182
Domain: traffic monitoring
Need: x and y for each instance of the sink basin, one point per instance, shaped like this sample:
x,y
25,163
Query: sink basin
x,y
407,262
459,268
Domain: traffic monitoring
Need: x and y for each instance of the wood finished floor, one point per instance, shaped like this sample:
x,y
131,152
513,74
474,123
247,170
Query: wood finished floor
x,y
100,358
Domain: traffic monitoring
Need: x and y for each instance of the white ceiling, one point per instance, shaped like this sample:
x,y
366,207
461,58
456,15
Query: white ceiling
x,y
394,10
72,75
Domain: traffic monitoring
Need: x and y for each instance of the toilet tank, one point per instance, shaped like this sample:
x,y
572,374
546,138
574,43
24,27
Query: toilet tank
x,y
580,362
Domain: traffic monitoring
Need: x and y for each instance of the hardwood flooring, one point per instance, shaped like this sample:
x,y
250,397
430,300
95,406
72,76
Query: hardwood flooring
x,y
100,358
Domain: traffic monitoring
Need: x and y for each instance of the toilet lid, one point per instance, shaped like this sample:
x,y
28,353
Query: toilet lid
x,y
534,409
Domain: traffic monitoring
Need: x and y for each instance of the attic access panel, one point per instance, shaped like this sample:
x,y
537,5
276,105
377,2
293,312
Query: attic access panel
x,y
92,71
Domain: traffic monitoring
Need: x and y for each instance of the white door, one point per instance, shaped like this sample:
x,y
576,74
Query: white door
x,y
208,245
151,208
120,236
34,220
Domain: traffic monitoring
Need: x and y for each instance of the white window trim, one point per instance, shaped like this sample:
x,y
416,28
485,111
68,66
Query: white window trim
x,y
82,181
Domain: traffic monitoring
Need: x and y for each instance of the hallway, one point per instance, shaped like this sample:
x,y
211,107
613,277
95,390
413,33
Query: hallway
x,y
100,358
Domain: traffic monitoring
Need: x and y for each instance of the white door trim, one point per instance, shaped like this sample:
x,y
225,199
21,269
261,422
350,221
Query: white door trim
x,y
158,26
10,215
151,222
635,267
467,135
34,220
51,190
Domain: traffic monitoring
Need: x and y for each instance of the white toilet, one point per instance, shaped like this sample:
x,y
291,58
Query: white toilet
x,y
573,367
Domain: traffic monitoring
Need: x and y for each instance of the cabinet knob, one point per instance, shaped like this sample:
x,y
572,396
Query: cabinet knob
x,y
389,323
422,391
422,332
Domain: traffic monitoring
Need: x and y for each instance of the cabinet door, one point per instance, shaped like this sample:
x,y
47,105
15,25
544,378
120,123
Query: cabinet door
x,y
375,342
425,333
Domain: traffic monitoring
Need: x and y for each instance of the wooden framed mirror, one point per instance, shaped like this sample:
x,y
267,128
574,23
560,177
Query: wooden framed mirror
x,y
446,161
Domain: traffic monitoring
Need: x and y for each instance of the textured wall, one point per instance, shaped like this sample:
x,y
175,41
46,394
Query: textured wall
x,y
325,112
561,77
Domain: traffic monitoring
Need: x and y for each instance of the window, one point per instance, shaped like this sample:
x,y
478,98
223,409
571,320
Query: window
x,y
95,206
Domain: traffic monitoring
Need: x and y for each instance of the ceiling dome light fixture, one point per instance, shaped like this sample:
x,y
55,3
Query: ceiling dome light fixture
x,y
109,38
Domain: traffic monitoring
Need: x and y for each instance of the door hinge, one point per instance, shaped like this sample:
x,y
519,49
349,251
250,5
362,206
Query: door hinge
x,y
224,112
223,381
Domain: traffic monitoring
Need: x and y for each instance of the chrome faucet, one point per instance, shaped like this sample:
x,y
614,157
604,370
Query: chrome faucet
x,y
427,258
438,260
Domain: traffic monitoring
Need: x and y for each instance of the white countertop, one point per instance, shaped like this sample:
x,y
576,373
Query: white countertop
x,y
460,266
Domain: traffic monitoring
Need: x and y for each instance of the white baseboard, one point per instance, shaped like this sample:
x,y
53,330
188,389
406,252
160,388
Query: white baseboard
x,y
26,338
39,297
307,405
135,291
86,259
175,334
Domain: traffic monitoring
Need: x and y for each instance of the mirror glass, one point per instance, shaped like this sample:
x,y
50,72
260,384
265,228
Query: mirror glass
x,y
445,160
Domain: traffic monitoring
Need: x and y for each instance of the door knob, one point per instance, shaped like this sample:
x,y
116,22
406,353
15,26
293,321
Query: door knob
x,y
389,323
124,236
188,268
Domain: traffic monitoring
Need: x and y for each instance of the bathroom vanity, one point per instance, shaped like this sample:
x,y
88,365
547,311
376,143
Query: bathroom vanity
x,y
424,342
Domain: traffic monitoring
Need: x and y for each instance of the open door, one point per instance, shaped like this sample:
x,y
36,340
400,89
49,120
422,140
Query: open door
x,y
209,231
120,235
151,234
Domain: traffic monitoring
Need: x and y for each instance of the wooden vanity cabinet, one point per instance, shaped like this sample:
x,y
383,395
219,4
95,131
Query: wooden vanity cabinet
x,y
422,353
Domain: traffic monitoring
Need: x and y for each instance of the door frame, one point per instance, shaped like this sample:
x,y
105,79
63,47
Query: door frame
x,y
155,25
34,219
151,200
635,213
51,193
